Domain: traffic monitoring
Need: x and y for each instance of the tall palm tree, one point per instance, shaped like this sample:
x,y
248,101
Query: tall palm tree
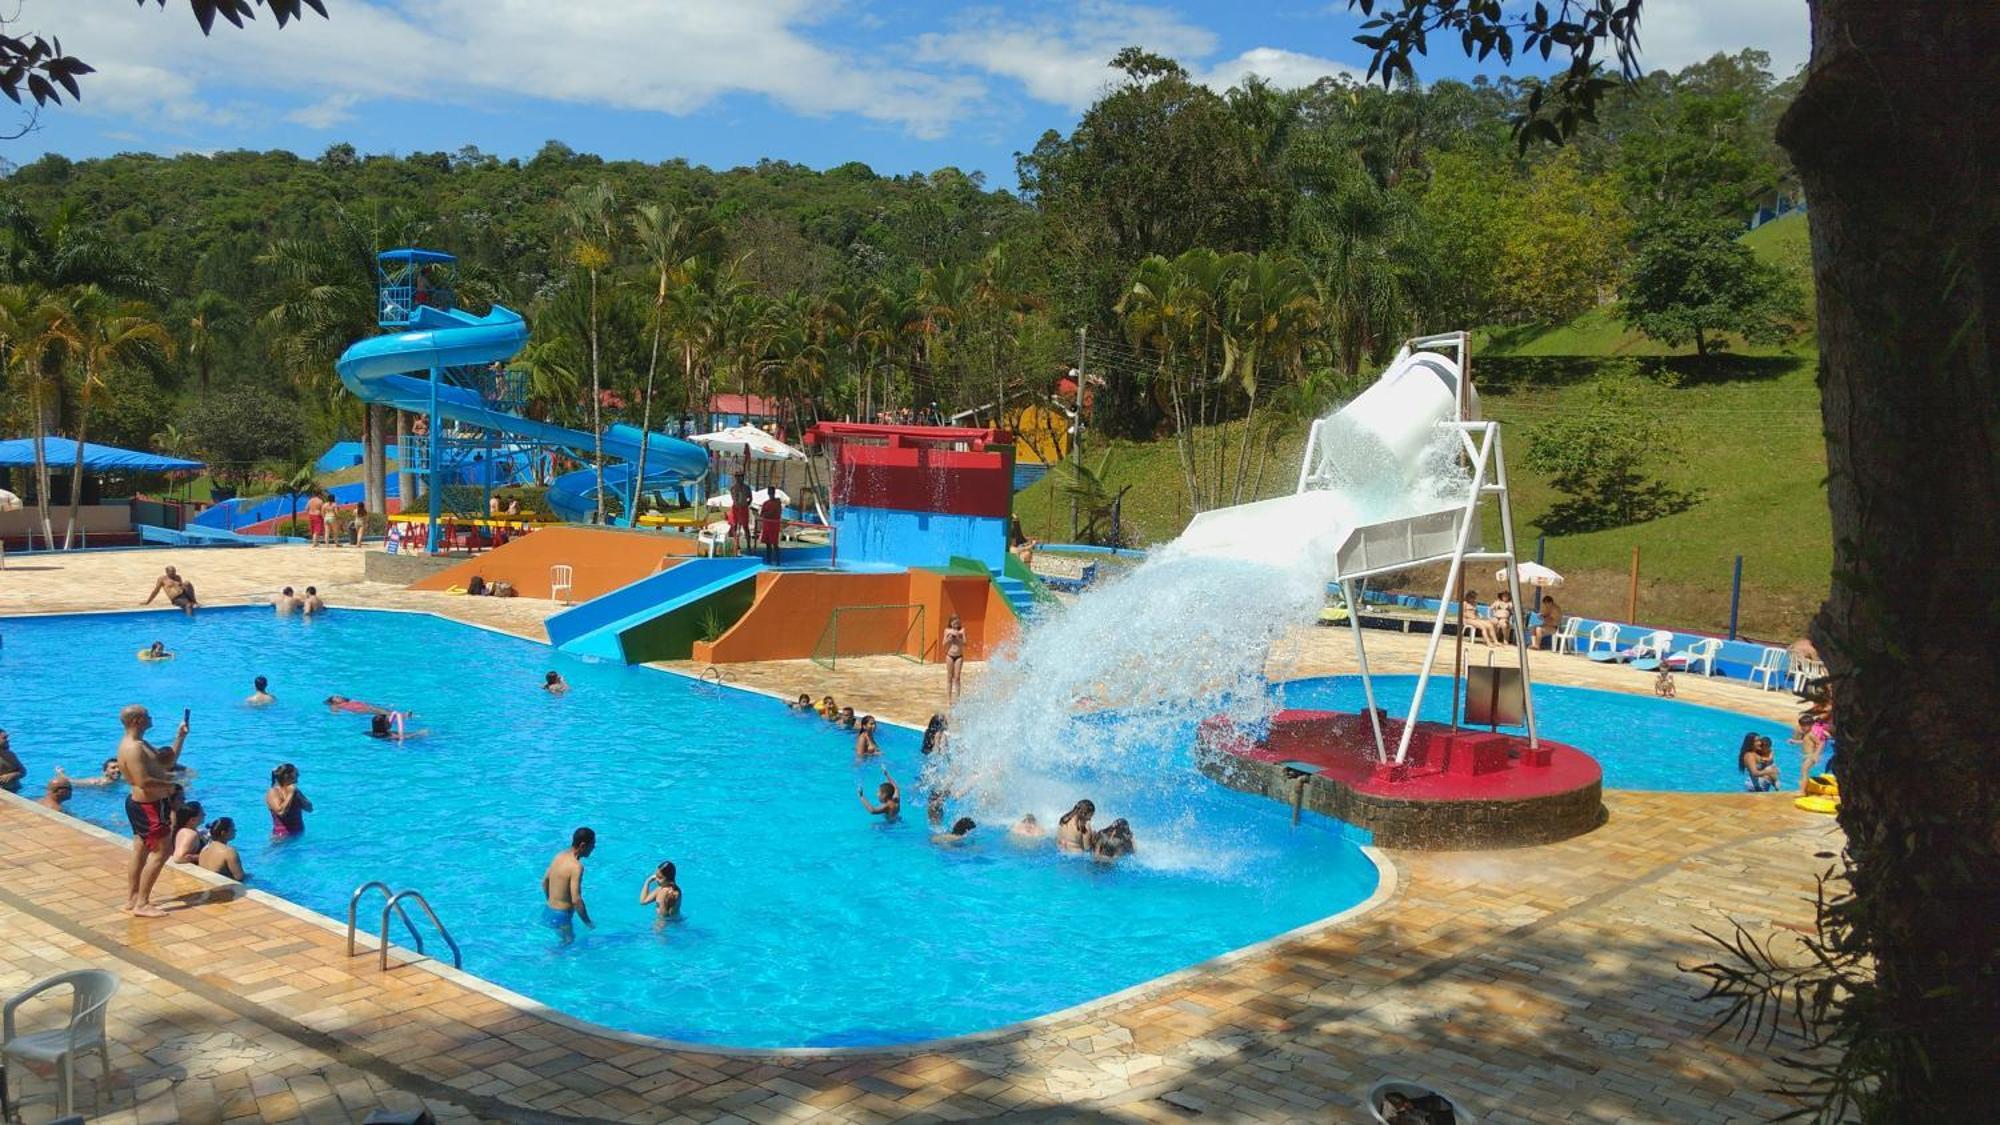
x,y
25,318
97,332
209,316
853,316
1270,303
946,293
664,235
588,215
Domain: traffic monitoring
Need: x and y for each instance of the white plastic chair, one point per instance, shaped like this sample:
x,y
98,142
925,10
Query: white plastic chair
x,y
560,584
1702,652
1566,639
1653,648
1603,633
61,1047
1769,663
1804,671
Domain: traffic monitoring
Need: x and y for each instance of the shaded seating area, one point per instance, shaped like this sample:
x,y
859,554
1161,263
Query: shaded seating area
x,y
106,523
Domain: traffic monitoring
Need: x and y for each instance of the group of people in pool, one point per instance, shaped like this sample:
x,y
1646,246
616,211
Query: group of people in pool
x,y
1756,759
842,718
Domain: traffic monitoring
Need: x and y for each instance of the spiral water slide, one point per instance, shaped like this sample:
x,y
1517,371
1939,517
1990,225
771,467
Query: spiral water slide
x,y
395,370
1378,489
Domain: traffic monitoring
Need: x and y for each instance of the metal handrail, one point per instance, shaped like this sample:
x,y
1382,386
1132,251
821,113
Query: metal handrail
x,y
395,902
388,892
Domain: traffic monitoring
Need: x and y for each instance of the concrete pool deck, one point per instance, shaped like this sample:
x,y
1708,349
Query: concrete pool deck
x,y
1539,983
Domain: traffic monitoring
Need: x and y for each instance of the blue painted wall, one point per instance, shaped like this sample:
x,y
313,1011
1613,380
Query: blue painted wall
x,y
884,535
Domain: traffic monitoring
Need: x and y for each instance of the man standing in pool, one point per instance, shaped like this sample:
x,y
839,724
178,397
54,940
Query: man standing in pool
x,y
149,770
562,886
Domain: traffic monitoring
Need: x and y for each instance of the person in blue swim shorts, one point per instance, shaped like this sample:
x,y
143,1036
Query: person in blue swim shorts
x,y
562,886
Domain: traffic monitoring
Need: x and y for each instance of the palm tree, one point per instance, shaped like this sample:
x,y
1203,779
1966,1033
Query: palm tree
x,y
945,293
96,332
208,316
587,217
1270,301
664,234
853,317
25,315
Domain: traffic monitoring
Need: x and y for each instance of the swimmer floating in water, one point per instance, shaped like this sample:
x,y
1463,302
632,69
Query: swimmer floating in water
x,y
553,684
156,651
340,703
960,829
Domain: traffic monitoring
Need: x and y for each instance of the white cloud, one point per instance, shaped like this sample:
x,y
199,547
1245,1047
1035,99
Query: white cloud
x,y
669,56
1066,59
1287,70
1677,33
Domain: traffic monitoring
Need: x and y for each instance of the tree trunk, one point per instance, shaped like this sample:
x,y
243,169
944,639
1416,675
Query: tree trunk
x,y
76,474
596,403
1700,341
646,414
374,470
1896,136
41,463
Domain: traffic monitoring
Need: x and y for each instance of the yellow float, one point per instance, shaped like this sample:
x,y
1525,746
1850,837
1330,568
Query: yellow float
x,y
1823,785
1817,804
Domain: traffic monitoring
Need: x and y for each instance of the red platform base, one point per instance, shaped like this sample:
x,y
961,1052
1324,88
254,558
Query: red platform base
x,y
1461,788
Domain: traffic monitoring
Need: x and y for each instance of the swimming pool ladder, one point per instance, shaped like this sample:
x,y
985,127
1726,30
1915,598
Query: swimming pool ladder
x,y
393,903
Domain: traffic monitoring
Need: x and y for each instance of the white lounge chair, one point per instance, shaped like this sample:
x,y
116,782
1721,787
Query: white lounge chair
x,y
62,1047
1652,649
1702,652
1770,664
561,583
1804,671
1565,641
1603,633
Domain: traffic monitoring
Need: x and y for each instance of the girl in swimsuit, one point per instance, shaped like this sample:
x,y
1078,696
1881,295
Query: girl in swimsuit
x,y
287,805
662,894
1073,830
864,739
954,656
188,836
934,735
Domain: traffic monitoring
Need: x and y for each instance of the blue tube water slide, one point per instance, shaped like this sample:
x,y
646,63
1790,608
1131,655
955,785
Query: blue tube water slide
x,y
395,370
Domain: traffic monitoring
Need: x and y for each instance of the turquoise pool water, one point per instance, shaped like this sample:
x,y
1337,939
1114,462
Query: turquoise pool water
x,y
1642,742
808,923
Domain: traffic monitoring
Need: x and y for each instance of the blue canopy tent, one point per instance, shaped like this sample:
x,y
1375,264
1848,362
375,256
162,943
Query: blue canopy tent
x,y
60,452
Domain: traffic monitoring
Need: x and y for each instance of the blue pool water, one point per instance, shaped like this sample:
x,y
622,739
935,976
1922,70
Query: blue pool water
x,y
808,922
1642,742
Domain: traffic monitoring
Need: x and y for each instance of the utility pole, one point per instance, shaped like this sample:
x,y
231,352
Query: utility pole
x,y
1076,438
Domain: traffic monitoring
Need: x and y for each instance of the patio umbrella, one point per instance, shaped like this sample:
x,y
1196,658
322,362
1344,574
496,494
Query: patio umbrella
x,y
736,441
9,502
721,499
1532,574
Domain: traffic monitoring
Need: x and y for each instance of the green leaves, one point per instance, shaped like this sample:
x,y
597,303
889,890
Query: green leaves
x,y
1692,281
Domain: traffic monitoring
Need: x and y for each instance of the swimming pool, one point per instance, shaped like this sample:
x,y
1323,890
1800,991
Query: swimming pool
x,y
808,923
1642,742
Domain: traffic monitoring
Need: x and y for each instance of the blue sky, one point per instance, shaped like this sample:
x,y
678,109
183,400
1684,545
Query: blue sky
x,y
902,86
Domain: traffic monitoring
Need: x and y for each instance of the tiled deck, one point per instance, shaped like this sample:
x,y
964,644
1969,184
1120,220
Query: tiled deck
x,y
1540,983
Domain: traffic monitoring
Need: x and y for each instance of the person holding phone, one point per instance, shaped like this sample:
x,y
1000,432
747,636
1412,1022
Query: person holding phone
x,y
149,770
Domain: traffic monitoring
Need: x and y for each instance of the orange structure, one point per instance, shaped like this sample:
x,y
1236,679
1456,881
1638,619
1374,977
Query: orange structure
x,y
791,611
601,559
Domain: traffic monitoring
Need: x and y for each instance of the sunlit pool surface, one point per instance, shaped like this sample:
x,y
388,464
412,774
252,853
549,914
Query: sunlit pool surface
x,y
1642,742
808,923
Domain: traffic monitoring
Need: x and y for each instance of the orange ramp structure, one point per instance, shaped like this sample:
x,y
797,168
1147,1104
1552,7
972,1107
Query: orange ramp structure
x,y
601,559
799,615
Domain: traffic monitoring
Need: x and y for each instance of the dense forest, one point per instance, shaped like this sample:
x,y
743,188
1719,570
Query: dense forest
x,y
1230,255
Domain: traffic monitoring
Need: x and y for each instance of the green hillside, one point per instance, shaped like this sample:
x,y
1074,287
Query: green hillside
x,y
1749,435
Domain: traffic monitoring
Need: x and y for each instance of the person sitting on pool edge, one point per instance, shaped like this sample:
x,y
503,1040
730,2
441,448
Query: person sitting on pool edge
x,y
1073,830
220,855
960,829
890,796
553,683
1755,760
179,592
562,886
662,893
286,603
262,696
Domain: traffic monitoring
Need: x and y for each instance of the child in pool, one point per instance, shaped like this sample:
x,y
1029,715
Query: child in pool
x,y
662,893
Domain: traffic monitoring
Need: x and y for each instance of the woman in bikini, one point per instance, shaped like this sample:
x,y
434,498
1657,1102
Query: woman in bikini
x,y
288,806
864,739
954,657
662,893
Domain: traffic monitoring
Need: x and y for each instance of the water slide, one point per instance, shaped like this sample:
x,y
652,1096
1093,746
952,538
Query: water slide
x,y
1378,488
394,370
573,495
659,617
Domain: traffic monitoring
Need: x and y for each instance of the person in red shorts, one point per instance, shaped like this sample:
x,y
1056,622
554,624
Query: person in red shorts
x,y
316,518
149,770
771,521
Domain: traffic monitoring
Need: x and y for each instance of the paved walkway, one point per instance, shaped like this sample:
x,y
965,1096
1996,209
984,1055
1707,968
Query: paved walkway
x,y
1540,983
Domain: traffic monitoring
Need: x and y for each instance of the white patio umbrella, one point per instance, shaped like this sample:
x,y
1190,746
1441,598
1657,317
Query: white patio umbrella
x,y
1532,574
9,502
721,499
735,441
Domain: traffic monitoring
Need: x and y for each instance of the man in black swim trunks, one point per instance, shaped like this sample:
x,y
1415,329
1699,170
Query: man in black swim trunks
x,y
179,591
148,809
